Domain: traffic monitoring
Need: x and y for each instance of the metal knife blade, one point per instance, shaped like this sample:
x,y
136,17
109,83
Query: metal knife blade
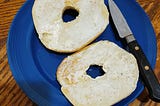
x,y
146,71
119,20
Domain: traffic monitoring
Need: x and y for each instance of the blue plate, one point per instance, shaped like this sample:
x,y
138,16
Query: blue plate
x,y
34,67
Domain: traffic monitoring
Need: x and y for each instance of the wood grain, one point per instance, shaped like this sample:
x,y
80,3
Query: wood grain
x,y
12,95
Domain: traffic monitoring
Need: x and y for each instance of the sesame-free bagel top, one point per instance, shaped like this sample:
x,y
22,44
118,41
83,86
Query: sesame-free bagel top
x,y
61,36
119,81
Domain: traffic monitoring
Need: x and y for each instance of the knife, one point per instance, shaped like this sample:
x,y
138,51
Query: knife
x,y
146,72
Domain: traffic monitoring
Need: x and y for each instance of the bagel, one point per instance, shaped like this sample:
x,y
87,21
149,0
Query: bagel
x,y
66,37
119,81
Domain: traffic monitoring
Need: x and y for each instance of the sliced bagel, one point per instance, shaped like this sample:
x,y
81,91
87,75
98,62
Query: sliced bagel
x,y
119,81
61,36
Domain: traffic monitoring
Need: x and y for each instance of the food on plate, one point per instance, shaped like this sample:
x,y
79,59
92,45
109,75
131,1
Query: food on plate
x,y
60,36
119,81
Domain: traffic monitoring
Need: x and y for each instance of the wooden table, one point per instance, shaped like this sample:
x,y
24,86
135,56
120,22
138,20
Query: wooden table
x,y
12,95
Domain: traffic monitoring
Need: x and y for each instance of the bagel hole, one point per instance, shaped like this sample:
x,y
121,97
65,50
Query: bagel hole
x,y
69,14
95,71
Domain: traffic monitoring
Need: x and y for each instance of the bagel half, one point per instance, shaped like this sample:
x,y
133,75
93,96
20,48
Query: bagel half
x,y
119,81
61,36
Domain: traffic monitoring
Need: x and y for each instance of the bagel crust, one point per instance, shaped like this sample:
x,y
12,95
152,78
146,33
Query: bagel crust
x,y
70,36
118,82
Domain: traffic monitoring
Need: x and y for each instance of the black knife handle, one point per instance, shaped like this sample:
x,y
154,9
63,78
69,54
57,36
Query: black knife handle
x,y
146,72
